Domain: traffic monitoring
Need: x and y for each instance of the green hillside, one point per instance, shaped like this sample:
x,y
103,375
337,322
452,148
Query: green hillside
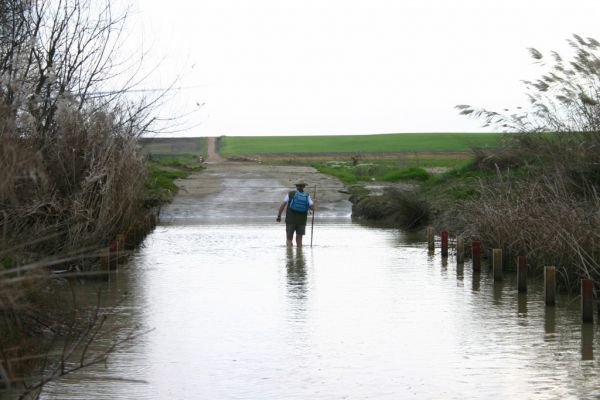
x,y
404,142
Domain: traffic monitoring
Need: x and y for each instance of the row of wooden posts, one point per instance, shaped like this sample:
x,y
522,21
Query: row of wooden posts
x,y
587,285
113,255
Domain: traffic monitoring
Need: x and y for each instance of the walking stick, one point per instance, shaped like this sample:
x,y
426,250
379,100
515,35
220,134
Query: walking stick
x,y
312,227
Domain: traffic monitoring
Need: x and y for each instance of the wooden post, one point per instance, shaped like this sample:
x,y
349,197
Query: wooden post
x,y
522,304
129,239
460,250
587,300
444,235
550,320
430,238
476,253
522,274
105,259
120,246
497,264
550,285
4,225
112,255
497,289
475,278
312,224
587,342
460,271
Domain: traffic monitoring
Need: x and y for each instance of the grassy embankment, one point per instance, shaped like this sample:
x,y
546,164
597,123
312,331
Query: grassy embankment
x,y
370,144
169,159
438,166
386,157
428,158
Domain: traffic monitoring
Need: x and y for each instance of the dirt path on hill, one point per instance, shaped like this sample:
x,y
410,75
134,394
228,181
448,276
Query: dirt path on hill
x,y
211,153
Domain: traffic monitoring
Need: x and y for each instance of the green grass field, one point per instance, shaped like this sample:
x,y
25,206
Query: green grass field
x,y
384,143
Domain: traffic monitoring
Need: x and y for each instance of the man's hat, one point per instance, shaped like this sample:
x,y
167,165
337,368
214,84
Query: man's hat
x,y
300,183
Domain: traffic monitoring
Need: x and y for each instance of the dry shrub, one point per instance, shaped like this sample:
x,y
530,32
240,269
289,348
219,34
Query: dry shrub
x,y
82,186
58,202
542,217
71,174
502,158
373,208
400,208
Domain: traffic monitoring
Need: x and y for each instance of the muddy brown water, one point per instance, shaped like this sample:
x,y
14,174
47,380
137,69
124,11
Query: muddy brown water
x,y
365,313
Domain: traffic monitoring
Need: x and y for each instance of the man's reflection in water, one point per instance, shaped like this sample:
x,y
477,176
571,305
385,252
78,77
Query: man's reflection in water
x,y
296,273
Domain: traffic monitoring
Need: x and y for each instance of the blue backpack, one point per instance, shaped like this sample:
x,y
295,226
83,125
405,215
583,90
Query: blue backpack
x,y
299,202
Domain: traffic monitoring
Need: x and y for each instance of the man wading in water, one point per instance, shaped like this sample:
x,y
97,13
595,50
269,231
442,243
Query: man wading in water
x,y
298,203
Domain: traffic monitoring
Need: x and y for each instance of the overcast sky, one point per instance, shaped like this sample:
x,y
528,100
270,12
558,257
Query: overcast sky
x,y
279,67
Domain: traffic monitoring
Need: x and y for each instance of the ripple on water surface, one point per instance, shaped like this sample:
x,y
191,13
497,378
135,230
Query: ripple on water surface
x,y
365,313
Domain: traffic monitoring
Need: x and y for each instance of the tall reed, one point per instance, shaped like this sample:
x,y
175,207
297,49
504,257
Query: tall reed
x,y
547,217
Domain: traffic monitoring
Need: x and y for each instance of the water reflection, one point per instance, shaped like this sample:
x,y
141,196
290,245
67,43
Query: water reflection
x,y
476,279
522,305
498,288
296,273
430,256
414,238
550,324
460,271
239,316
587,342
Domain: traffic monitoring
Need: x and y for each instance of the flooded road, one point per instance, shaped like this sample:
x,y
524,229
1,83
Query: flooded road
x,y
365,313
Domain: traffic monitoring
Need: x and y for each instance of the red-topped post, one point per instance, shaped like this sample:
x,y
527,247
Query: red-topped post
x,y
476,254
550,285
587,300
522,274
444,235
112,255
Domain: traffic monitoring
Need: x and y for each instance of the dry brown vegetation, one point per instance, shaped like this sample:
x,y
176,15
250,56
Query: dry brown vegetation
x,y
544,202
540,216
71,176
78,190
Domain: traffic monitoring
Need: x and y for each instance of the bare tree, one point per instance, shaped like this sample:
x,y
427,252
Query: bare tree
x,y
71,173
54,51
57,58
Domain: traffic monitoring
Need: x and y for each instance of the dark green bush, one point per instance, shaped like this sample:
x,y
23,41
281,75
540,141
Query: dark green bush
x,y
410,173
412,210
